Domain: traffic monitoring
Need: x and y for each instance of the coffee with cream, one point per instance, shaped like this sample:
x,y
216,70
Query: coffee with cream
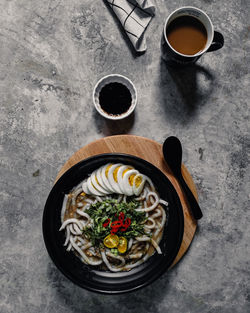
x,y
187,35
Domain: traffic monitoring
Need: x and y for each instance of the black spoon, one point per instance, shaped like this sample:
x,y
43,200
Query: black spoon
x,y
172,152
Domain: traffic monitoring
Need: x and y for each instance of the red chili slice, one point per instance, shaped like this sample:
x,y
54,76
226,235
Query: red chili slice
x,y
106,223
121,216
114,230
126,224
116,224
120,224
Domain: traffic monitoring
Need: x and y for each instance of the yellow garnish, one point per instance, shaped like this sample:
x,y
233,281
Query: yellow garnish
x,y
82,194
111,241
107,170
123,244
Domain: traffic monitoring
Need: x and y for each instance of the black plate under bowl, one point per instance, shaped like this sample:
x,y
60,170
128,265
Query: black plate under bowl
x,y
103,281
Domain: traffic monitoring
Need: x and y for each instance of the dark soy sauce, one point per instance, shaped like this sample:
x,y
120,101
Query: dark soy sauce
x,y
115,98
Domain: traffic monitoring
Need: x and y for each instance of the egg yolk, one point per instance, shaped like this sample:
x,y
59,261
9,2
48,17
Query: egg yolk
x,y
107,170
138,181
126,170
131,179
94,187
115,173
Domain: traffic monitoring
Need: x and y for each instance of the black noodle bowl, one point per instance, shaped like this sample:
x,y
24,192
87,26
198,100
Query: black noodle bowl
x,y
88,276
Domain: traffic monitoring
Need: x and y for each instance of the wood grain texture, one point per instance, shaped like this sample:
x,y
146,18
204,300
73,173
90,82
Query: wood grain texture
x,y
150,151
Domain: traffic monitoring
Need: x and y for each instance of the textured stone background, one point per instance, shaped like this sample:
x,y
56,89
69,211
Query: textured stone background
x,y
52,52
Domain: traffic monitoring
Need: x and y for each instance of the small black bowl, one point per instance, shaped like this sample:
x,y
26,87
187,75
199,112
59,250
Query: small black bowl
x,y
87,276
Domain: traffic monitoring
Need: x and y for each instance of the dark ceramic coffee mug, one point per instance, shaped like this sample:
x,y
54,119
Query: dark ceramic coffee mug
x,y
215,40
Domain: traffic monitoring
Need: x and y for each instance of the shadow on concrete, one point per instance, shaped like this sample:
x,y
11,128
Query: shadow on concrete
x,y
184,90
78,300
111,127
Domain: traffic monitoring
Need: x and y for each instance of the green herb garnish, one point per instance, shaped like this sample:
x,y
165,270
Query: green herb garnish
x,y
110,209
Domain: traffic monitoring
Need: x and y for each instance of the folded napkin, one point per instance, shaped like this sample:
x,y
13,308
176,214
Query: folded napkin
x,y
134,16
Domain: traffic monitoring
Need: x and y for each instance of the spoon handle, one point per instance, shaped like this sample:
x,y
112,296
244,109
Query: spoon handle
x,y
194,206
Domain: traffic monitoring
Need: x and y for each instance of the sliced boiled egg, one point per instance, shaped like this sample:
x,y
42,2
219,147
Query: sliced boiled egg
x,y
120,174
128,180
92,189
115,178
112,177
138,184
85,188
100,180
104,175
96,184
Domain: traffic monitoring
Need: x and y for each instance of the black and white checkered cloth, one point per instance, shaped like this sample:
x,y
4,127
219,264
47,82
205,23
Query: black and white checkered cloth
x,y
134,16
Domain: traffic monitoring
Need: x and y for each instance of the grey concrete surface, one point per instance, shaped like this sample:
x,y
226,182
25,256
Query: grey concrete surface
x,y
52,52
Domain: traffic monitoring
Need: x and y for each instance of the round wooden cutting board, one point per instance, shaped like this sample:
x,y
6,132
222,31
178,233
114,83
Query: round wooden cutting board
x,y
150,151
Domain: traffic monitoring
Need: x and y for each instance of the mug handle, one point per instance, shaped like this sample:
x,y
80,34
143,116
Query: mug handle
x,y
218,42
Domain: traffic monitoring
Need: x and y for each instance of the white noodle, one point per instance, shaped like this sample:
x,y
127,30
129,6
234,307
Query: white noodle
x,y
70,221
77,229
164,202
147,247
152,226
143,195
67,236
99,199
91,250
89,201
111,268
153,206
130,243
87,246
94,263
150,182
119,199
117,257
136,255
75,195
83,242
129,266
82,254
83,214
83,223
157,214
163,221
74,230
69,247
142,238
158,249
86,207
